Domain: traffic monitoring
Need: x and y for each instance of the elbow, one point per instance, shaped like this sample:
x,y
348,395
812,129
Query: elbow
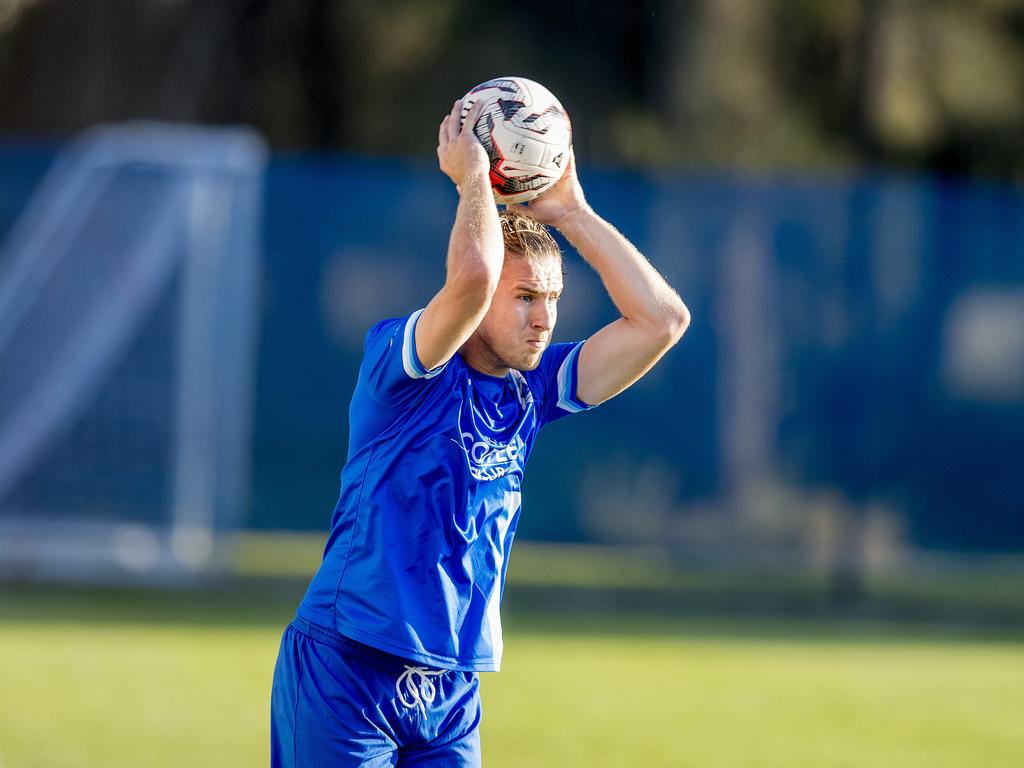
x,y
472,288
674,323
477,280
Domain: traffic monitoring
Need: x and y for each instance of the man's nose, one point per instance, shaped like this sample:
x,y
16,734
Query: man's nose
x,y
544,315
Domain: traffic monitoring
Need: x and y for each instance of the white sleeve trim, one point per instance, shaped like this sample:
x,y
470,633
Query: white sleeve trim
x,y
567,399
410,361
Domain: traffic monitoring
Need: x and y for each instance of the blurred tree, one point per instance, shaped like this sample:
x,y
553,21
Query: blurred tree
x,y
722,98
778,84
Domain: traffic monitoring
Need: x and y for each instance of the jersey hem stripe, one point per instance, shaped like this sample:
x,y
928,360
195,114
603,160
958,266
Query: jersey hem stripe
x,y
410,360
434,660
567,380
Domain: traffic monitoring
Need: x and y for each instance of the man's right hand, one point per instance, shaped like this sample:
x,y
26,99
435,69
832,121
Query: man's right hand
x,y
459,151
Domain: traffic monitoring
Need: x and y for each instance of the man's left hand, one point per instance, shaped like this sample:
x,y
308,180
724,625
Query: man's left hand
x,y
556,204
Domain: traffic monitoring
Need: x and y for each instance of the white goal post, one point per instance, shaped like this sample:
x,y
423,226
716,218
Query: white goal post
x,y
127,346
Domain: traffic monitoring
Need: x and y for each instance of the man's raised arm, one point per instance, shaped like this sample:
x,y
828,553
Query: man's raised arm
x,y
653,316
475,249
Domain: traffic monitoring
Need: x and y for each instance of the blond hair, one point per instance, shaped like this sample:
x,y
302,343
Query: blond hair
x,y
525,238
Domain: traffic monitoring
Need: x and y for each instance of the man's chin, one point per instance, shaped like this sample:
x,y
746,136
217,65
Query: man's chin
x,y
529,362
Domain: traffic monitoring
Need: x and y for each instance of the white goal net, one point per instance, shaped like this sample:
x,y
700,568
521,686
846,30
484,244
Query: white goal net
x,y
127,340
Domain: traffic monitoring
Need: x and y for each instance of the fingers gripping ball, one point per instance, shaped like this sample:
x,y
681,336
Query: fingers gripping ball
x,y
527,135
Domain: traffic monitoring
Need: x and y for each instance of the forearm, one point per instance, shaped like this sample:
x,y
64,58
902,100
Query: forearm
x,y
475,248
639,293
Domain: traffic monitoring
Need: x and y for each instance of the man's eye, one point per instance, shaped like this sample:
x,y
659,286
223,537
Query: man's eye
x,y
527,298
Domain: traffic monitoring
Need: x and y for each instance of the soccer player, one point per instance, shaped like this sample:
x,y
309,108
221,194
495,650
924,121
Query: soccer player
x,y
380,665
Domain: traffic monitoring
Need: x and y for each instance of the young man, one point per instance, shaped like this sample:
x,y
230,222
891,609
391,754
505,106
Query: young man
x,y
379,667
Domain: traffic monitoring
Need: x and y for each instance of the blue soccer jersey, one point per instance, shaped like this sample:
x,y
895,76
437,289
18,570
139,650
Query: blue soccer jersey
x,y
430,497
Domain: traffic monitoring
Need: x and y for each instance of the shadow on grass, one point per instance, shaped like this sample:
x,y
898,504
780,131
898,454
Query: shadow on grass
x,y
765,615
250,602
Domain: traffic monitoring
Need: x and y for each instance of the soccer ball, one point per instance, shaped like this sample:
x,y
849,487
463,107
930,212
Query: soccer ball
x,y
526,133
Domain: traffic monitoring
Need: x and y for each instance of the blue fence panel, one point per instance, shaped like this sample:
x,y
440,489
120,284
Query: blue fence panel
x,y
853,334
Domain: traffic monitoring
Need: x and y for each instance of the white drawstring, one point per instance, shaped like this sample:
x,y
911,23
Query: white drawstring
x,y
421,690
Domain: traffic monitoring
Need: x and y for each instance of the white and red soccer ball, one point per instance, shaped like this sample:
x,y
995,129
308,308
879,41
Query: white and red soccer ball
x,y
527,135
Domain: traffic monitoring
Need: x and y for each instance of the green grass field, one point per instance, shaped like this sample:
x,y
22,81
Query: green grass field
x,y
145,679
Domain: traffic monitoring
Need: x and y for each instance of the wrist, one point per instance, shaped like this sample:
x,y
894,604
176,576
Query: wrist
x,y
474,181
575,219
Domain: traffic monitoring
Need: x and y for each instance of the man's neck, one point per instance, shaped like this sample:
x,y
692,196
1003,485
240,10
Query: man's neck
x,y
476,355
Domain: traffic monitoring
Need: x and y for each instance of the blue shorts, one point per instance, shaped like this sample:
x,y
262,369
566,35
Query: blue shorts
x,y
336,702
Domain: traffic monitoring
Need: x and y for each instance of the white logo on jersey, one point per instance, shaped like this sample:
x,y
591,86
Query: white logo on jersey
x,y
522,389
489,459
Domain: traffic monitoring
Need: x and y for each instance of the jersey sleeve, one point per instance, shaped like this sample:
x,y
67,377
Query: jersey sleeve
x,y
391,368
555,382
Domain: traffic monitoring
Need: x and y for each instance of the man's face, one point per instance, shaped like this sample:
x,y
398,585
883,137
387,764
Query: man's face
x,y
517,328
